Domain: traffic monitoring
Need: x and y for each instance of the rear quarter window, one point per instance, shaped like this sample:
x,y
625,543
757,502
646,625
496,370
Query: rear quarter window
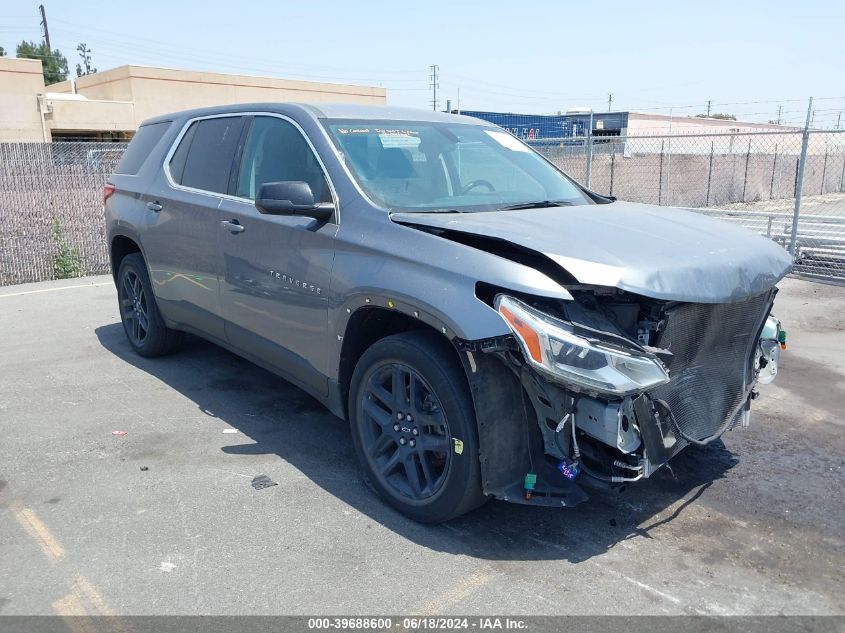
x,y
177,162
140,147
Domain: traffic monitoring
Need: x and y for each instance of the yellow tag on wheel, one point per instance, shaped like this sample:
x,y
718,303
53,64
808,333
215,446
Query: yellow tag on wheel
x,y
459,445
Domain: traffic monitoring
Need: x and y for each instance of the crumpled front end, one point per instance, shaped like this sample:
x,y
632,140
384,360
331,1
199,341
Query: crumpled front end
x,y
619,383
711,368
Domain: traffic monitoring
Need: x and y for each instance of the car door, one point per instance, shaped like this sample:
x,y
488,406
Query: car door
x,y
276,268
182,240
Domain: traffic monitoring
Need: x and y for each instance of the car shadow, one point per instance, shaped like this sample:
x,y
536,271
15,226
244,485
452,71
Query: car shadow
x,y
283,420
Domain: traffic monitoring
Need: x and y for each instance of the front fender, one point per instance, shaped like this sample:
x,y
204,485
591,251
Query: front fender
x,y
468,319
380,263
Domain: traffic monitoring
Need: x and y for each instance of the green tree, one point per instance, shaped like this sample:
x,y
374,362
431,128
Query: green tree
x,y
85,68
2,52
53,64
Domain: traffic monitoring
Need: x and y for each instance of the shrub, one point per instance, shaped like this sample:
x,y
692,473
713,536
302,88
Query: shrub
x,y
68,262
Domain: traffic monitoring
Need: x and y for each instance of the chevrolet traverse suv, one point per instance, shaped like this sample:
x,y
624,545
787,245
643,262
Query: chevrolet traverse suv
x,y
489,327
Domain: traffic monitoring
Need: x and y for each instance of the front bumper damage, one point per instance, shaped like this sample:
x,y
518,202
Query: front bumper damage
x,y
538,438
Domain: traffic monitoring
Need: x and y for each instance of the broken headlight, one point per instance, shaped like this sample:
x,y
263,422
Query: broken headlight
x,y
552,347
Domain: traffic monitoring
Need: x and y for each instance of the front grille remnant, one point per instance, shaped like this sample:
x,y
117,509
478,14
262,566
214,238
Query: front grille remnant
x,y
710,368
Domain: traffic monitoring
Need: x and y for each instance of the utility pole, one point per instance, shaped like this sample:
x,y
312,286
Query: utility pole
x,y
708,108
780,109
434,86
669,161
44,25
589,143
609,101
838,120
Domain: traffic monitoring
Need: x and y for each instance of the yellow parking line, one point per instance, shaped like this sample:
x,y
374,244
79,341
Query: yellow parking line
x,y
82,604
456,593
83,601
69,607
74,614
84,590
38,532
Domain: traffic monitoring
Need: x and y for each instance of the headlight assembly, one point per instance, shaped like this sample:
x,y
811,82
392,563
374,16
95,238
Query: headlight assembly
x,y
552,347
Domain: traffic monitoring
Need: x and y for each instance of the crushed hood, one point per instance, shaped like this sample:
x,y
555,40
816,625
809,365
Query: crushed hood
x,y
658,252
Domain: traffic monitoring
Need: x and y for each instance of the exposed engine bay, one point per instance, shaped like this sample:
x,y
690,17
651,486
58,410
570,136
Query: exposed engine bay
x,y
620,383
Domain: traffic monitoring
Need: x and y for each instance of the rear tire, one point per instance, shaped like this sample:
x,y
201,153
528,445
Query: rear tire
x,y
142,321
414,429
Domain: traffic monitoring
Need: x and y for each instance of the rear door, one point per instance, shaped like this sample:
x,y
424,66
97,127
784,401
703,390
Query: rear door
x,y
182,242
276,269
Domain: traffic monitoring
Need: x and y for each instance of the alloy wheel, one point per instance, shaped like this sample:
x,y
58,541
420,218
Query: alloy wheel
x,y
134,307
404,431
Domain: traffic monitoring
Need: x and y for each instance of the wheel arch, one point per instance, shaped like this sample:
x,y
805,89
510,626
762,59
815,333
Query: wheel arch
x,y
120,246
368,325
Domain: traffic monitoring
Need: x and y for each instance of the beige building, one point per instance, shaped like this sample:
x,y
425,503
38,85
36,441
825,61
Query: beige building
x,y
21,82
649,124
111,104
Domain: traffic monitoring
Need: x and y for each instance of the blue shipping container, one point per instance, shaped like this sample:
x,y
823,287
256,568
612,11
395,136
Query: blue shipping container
x,y
547,127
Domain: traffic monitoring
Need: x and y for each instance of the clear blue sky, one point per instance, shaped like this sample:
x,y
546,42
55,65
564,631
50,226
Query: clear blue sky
x,y
509,56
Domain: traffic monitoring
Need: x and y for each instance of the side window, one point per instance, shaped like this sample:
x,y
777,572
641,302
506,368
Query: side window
x,y
276,151
145,139
205,154
177,162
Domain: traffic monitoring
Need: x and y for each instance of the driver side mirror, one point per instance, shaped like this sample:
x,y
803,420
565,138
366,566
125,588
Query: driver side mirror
x,y
291,197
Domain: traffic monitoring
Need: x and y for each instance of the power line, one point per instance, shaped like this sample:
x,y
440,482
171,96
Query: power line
x,y
159,53
245,66
240,65
408,83
519,89
522,92
116,38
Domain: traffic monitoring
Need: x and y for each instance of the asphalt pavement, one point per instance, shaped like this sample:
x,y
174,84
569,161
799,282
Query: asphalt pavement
x,y
125,488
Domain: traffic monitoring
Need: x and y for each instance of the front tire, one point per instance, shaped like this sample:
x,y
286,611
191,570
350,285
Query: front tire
x,y
414,428
142,321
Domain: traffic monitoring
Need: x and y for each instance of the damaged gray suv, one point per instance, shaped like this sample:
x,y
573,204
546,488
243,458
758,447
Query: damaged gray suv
x,y
489,327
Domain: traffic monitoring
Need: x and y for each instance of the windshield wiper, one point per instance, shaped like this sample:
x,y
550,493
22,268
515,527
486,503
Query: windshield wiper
x,y
422,210
542,204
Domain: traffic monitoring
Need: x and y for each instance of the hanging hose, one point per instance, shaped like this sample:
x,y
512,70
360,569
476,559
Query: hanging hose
x,y
575,450
721,431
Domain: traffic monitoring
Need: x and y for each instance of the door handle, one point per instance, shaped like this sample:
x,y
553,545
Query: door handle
x,y
154,206
233,225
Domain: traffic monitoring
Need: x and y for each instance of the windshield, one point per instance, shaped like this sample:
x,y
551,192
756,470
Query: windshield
x,y
425,166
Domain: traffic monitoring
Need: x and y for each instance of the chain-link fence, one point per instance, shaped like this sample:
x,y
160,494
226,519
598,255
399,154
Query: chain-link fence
x,y
759,180
51,194
51,207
